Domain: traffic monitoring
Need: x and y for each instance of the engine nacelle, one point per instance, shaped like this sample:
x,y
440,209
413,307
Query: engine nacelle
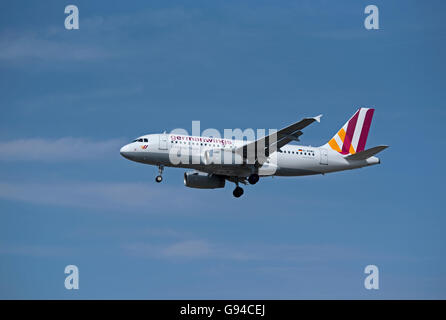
x,y
203,180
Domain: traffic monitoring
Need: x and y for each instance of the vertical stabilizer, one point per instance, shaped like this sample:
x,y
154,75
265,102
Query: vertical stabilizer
x,y
352,137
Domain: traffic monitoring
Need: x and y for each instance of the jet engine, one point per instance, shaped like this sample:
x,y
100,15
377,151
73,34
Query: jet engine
x,y
202,180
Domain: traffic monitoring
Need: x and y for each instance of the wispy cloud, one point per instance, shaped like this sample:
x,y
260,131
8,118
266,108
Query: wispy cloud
x,y
61,149
32,46
189,249
153,18
111,196
91,98
35,250
54,43
123,232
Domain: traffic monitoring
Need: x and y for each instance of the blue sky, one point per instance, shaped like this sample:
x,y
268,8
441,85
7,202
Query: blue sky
x,y
70,99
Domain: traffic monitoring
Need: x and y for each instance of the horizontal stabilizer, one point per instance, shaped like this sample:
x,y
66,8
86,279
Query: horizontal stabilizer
x,y
366,153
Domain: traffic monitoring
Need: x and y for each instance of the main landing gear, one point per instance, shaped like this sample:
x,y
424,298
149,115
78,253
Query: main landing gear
x,y
237,192
159,177
254,178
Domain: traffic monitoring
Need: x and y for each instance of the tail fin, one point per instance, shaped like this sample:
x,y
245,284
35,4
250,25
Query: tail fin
x,y
351,138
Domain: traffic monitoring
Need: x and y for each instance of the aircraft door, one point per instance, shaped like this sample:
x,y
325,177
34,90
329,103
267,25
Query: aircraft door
x,y
163,141
324,157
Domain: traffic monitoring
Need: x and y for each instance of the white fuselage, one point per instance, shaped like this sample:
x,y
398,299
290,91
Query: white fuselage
x,y
290,160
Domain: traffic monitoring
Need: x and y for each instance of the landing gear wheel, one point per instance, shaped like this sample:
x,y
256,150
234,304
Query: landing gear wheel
x,y
159,178
254,178
237,192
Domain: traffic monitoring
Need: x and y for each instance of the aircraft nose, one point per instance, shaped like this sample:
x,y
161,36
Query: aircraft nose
x,y
124,151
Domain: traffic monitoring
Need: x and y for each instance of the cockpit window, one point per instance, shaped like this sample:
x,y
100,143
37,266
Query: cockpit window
x,y
146,140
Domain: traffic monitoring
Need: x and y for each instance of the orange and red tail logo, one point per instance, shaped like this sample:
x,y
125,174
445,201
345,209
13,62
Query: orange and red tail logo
x,y
353,135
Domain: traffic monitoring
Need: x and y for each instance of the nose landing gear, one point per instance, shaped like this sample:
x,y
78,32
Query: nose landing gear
x,y
159,177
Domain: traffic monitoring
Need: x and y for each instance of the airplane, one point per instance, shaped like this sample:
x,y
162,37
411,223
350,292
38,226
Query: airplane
x,y
245,162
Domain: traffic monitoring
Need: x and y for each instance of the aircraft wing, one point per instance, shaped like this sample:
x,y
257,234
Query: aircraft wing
x,y
274,141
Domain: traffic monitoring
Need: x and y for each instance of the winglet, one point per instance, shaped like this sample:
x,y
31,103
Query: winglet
x,y
318,118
